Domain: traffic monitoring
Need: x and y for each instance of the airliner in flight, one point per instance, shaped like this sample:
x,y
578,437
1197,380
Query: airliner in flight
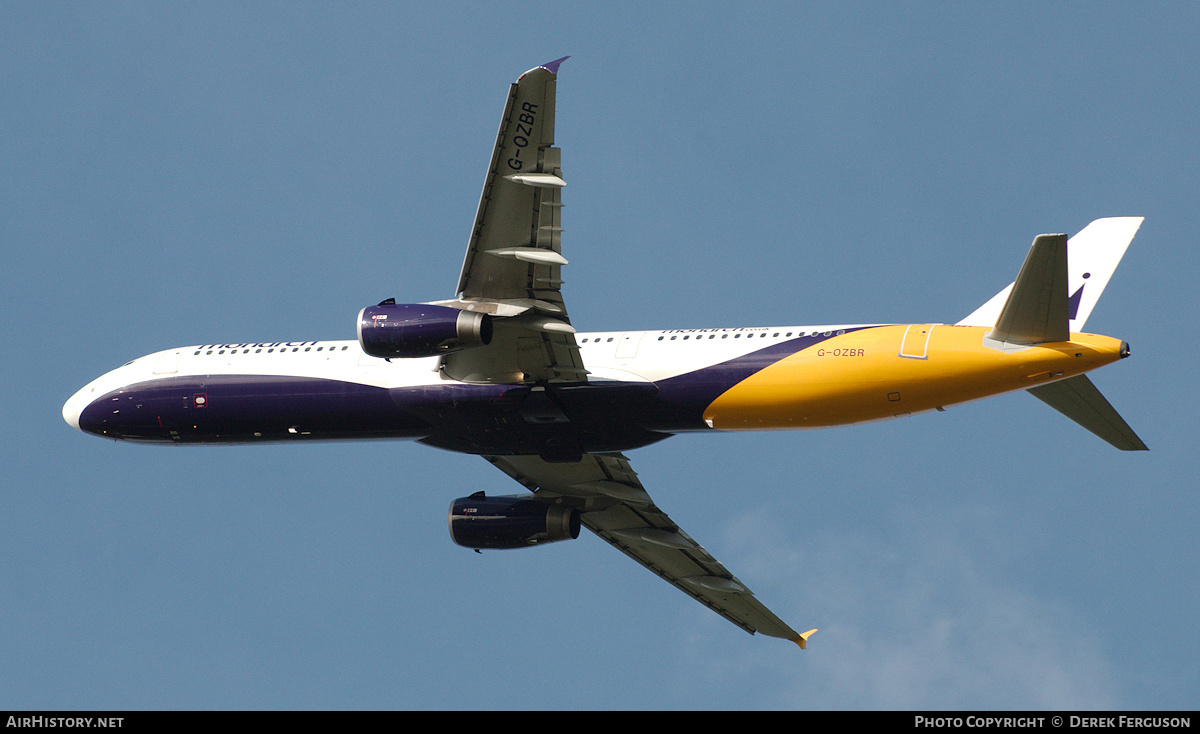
x,y
499,371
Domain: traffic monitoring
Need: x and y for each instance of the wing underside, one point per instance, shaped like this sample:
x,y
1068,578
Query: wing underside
x,y
512,268
615,506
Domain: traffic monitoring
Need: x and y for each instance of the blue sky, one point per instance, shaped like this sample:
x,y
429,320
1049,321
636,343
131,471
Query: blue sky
x,y
185,173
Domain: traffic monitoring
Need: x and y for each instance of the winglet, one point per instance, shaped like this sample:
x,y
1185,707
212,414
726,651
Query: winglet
x,y
552,66
802,639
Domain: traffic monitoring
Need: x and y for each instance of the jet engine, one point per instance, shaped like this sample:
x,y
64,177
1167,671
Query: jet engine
x,y
420,330
510,521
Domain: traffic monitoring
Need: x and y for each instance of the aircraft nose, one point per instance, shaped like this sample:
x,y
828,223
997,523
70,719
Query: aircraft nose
x,y
76,404
73,407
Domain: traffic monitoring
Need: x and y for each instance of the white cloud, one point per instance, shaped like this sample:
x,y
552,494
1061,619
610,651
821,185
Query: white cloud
x,y
916,616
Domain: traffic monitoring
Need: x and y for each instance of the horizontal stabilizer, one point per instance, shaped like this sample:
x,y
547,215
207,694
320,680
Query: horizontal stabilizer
x,y
1037,307
1078,399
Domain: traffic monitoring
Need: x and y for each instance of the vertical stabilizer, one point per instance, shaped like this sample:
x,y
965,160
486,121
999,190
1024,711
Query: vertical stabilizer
x,y
1093,256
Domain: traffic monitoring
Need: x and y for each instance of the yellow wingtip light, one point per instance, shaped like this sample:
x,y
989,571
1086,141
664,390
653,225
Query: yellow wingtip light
x,y
802,640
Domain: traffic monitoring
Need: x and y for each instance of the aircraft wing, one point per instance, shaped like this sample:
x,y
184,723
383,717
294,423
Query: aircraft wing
x,y
614,505
513,261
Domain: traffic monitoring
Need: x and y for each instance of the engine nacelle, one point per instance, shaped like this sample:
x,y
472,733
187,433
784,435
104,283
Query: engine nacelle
x,y
510,521
420,330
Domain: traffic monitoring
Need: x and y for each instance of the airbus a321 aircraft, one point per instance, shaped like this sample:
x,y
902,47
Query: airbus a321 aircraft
x,y
499,371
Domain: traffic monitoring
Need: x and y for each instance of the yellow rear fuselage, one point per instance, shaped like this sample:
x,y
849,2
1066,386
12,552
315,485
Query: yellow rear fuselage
x,y
891,371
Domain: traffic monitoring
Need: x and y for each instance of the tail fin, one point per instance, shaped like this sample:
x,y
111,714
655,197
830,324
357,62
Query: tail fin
x,y
1040,307
1094,254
